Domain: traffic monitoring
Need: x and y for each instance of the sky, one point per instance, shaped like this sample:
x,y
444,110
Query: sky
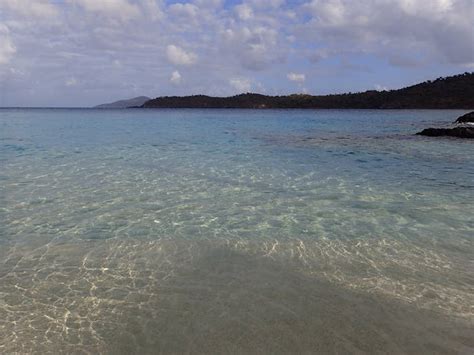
x,y
87,52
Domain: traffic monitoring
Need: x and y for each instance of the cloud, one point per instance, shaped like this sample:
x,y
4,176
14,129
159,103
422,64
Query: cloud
x,y
33,8
117,9
266,4
184,10
209,4
320,54
7,49
175,78
255,47
299,78
178,56
153,9
393,26
244,11
241,84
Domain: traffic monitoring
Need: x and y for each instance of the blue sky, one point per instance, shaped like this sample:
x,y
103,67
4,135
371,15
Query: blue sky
x,y
86,52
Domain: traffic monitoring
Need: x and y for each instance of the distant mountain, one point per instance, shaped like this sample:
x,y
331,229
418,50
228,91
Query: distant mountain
x,y
454,92
136,101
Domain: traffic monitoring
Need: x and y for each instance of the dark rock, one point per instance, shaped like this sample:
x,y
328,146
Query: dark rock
x,y
467,118
459,132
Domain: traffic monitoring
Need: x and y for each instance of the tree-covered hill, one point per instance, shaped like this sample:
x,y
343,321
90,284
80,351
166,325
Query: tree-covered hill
x,y
443,93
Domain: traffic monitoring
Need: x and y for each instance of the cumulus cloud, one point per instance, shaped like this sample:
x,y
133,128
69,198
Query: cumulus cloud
x,y
299,78
175,78
178,56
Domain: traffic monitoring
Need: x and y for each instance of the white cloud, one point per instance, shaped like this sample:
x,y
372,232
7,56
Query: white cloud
x,y
244,11
178,56
153,9
35,8
184,10
255,47
7,49
194,17
299,78
175,78
379,87
393,26
117,9
242,85
416,7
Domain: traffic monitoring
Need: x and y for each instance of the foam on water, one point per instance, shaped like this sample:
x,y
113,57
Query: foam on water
x,y
234,231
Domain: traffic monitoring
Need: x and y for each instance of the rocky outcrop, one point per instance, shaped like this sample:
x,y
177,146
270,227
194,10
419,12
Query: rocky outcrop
x,y
464,128
459,132
467,118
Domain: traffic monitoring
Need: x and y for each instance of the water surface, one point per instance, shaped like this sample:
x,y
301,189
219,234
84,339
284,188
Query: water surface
x,y
234,231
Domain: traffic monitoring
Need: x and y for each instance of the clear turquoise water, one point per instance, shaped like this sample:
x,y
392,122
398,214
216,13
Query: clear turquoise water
x,y
230,231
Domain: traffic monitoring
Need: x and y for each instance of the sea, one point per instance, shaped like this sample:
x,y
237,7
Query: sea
x,y
186,231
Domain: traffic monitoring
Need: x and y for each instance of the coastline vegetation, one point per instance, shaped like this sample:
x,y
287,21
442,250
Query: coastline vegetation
x,y
453,92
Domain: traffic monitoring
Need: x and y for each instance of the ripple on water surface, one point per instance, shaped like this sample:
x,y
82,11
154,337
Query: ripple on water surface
x,y
147,239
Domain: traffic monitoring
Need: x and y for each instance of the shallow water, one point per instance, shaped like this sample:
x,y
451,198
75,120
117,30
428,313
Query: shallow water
x,y
230,231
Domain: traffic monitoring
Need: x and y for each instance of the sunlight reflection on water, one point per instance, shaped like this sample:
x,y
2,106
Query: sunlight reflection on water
x,y
233,231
